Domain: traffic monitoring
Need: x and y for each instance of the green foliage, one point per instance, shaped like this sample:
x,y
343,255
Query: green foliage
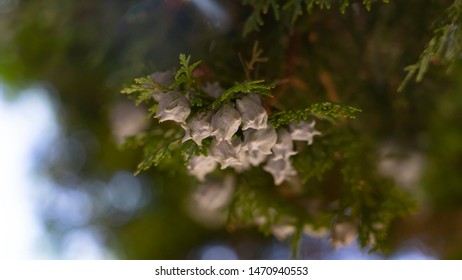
x,y
369,197
324,110
156,144
141,90
254,21
292,9
190,148
259,204
444,47
366,198
184,76
159,145
315,162
257,87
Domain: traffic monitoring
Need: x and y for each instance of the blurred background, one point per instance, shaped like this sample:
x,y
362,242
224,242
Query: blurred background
x,y
67,189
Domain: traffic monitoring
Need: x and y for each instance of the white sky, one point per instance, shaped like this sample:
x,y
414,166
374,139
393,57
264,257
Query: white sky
x,y
25,124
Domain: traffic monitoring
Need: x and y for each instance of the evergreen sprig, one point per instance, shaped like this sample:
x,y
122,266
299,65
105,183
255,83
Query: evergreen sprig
x,y
292,9
445,46
157,145
326,110
184,76
258,87
255,20
141,89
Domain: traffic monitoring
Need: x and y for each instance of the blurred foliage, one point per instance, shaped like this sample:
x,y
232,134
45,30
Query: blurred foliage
x,y
444,47
85,51
291,10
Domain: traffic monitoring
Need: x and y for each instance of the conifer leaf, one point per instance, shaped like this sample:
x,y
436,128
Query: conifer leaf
x,y
444,46
244,88
141,89
184,76
157,145
324,110
186,69
292,9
